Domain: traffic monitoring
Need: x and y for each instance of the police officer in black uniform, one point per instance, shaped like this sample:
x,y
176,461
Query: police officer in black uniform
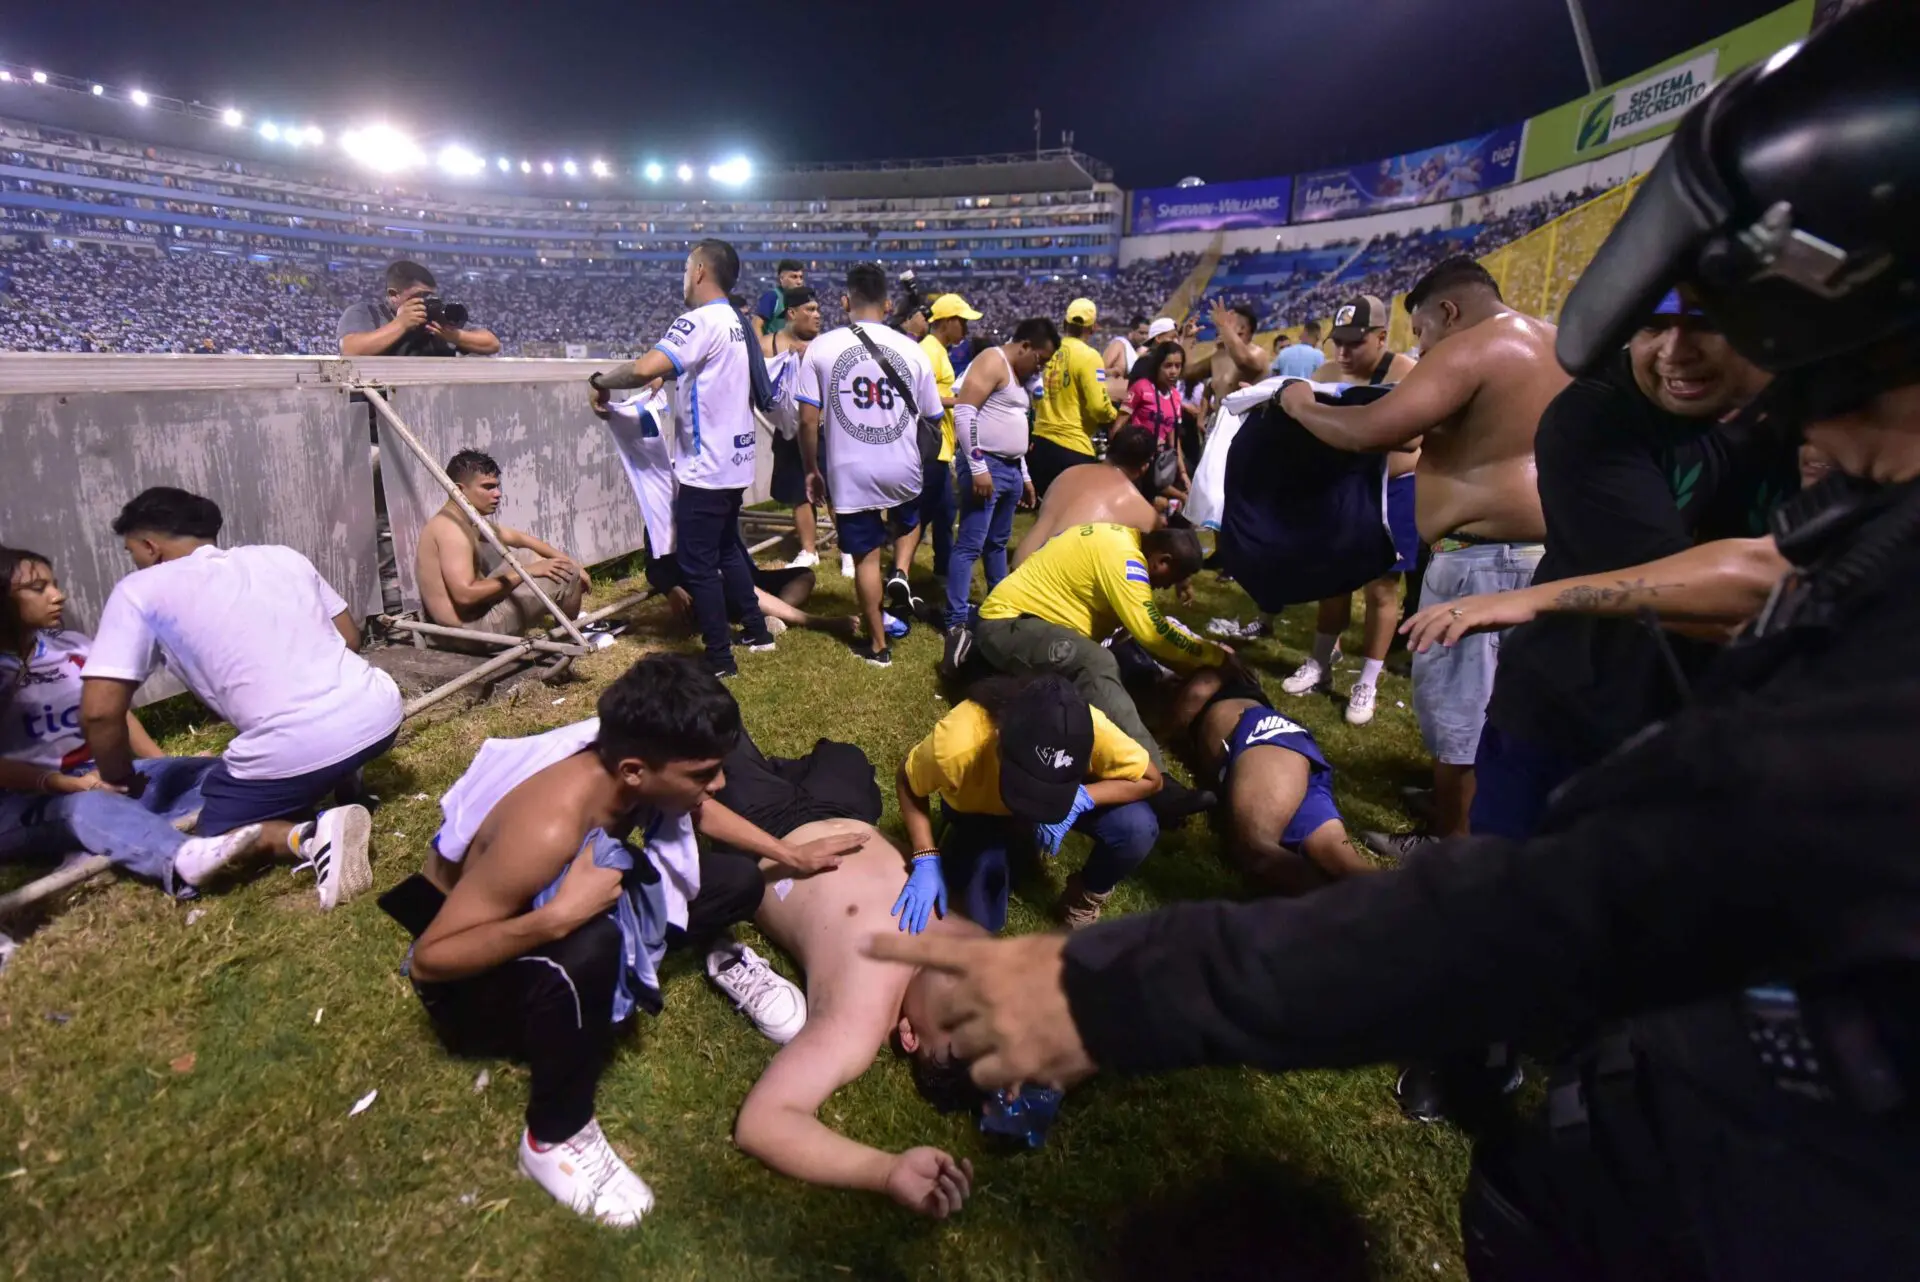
x,y
1734,895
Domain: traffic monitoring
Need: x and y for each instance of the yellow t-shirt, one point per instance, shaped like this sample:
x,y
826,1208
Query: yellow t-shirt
x,y
1092,579
960,760
1075,400
943,375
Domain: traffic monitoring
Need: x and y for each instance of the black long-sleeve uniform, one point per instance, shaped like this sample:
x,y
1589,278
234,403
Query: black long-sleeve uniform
x,y
1768,834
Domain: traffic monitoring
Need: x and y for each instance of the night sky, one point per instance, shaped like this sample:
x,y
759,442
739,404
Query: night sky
x,y
1224,90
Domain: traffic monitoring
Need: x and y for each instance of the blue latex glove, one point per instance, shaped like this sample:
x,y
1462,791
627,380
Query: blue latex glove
x,y
925,892
1049,836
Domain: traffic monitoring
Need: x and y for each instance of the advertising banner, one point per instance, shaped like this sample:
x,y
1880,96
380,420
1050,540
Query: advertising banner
x,y
1447,172
1259,202
1651,103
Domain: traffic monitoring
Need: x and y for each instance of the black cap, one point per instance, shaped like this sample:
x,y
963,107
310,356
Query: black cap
x,y
1046,741
1356,316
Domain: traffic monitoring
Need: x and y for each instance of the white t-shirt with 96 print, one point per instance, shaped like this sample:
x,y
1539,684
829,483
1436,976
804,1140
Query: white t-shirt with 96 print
x,y
869,439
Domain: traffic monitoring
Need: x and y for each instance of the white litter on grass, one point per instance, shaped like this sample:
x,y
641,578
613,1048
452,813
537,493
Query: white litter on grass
x,y
195,914
483,1081
468,1199
421,796
562,699
1399,704
7,946
364,1103
318,1013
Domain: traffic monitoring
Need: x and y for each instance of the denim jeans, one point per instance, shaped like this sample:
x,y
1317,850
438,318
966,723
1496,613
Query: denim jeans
x,y
973,855
936,513
137,835
985,527
715,568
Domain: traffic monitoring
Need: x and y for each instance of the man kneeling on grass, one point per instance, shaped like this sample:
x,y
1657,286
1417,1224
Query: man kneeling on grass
x,y
566,865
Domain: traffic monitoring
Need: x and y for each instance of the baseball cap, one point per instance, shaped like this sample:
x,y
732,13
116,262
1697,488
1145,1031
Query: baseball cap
x,y
1046,741
1356,316
948,306
1673,304
1164,325
1082,312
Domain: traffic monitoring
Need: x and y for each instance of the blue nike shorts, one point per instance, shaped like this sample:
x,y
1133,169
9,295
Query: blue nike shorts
x,y
1265,728
862,532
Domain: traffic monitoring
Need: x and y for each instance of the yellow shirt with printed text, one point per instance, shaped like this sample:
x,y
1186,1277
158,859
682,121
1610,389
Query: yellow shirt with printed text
x,y
1092,579
1075,400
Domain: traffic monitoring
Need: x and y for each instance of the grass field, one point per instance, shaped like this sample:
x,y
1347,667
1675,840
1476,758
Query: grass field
x,y
175,1079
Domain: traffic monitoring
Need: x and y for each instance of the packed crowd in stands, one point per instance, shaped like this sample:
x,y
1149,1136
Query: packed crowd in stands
x,y
180,300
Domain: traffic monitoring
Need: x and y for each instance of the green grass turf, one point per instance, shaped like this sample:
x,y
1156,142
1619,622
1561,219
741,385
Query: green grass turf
x,y
174,1096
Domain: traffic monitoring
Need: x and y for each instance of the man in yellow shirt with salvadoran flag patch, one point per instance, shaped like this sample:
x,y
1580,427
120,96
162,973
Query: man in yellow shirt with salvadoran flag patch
x,y
1051,614
1074,401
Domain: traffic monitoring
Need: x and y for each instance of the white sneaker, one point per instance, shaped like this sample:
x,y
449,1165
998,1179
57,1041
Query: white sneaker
x,y
1360,705
1225,629
846,565
1307,678
775,1006
805,561
200,857
335,847
585,1174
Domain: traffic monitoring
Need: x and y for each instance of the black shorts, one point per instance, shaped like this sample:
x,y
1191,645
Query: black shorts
x,y
789,473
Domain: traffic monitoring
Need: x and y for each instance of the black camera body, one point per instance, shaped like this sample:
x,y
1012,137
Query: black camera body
x,y
913,298
444,314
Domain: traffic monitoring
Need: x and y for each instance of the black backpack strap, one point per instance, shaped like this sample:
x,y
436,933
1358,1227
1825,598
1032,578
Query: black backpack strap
x,y
1380,371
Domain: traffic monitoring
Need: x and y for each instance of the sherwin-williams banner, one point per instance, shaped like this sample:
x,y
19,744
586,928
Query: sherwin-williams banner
x,y
1260,202
1447,172
1652,103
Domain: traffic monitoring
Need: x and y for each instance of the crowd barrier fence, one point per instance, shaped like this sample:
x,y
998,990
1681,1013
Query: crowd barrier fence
x,y
284,445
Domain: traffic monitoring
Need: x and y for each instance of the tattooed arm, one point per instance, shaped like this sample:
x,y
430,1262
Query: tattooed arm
x,y
1719,585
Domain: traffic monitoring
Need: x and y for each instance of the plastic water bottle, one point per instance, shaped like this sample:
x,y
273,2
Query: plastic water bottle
x,y
1023,1118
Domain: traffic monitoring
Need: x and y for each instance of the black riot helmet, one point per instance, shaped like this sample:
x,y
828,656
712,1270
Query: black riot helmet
x,y
1788,206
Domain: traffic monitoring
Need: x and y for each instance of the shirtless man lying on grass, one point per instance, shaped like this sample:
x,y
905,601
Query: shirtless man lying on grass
x,y
855,1006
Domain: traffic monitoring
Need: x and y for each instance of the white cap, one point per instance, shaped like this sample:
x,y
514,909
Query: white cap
x,y
1164,325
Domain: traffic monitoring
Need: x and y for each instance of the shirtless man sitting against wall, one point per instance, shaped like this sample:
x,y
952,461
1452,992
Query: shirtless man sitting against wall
x,y
463,584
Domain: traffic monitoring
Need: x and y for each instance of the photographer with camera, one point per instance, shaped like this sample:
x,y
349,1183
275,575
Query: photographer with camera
x,y
412,320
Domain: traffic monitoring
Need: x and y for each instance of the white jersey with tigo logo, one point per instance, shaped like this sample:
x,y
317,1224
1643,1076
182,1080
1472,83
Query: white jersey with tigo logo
x,y
504,764
784,370
639,425
714,430
250,630
869,439
41,724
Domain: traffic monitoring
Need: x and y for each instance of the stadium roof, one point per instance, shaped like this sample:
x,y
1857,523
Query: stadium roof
x,y
65,104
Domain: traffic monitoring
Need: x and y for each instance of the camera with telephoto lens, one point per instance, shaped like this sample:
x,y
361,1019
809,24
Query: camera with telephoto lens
x,y
913,298
444,314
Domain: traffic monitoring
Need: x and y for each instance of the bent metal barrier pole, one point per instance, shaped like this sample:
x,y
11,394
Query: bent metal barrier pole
x,y
470,634
405,433
53,883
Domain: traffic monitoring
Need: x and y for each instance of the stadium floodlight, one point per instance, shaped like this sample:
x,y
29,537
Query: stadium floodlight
x,y
6,77
138,98
570,168
526,166
232,118
504,164
731,173
98,90
314,136
654,172
685,171
456,159
382,148
269,131
39,77
546,167
600,169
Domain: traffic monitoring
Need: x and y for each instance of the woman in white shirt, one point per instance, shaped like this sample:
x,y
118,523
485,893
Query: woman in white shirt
x,y
52,800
